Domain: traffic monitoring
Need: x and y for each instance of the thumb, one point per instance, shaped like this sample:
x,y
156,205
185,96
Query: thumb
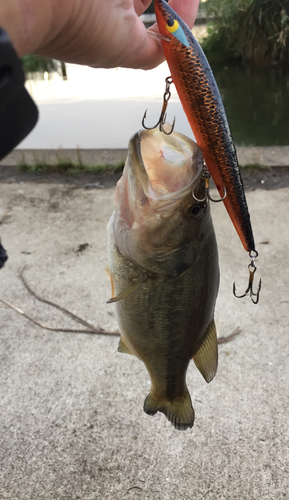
x,y
151,53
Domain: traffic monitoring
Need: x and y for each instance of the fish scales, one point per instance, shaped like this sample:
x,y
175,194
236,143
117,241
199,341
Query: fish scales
x,y
166,314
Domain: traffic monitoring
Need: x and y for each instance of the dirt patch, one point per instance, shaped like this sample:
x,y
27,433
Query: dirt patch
x,y
265,178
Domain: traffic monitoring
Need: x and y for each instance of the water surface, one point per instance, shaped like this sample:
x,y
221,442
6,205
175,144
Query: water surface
x,y
98,108
256,102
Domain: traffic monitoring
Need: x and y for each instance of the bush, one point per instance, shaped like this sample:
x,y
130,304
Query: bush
x,y
35,64
151,8
254,31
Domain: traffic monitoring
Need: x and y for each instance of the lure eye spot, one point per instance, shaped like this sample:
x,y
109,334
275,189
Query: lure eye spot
x,y
177,31
172,25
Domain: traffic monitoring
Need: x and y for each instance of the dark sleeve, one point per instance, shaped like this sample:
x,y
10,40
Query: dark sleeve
x,y
18,112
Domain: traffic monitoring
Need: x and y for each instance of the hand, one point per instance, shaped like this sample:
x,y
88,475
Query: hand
x,y
98,33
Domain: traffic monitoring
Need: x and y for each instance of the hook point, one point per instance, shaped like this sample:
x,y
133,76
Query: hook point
x,y
249,290
162,119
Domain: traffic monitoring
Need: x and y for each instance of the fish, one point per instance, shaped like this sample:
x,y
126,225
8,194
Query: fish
x,y
164,270
202,103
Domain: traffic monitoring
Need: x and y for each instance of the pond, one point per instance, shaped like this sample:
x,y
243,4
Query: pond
x,y
256,102
97,108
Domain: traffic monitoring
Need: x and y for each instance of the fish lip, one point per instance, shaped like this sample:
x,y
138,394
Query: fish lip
x,y
140,179
135,151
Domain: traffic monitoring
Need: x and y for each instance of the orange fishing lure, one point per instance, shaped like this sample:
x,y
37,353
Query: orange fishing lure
x,y
202,103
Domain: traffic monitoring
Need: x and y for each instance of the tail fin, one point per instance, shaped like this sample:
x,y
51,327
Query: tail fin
x,y
179,412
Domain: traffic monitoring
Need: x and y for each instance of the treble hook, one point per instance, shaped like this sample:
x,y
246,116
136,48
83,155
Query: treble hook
x,y
249,291
206,176
162,119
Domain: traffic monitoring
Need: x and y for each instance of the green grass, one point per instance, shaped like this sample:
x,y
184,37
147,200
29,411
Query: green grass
x,y
67,167
255,166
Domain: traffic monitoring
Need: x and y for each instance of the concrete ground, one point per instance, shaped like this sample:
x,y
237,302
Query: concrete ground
x,y
71,421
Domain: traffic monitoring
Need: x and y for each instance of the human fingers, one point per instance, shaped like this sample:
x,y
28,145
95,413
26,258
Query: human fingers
x,y
150,52
141,5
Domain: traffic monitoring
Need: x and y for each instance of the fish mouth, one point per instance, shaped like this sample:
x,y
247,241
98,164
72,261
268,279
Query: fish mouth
x,y
163,167
160,174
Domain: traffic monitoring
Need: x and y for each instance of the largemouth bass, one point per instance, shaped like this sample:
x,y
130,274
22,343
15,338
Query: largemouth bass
x,y
163,265
202,103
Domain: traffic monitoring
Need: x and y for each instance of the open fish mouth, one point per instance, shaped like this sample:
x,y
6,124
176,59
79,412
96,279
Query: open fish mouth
x,y
168,162
160,174
163,167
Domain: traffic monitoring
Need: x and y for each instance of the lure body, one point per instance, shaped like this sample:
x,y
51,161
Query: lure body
x,y
202,103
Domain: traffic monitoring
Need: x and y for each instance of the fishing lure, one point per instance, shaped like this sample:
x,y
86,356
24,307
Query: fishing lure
x,y
202,103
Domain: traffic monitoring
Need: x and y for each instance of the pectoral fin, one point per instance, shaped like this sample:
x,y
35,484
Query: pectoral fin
x,y
109,276
107,271
122,347
206,358
134,285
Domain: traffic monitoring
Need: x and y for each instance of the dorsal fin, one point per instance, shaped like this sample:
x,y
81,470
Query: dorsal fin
x,y
206,357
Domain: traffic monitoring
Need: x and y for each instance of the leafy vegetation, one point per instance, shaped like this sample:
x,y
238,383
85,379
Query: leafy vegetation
x,y
254,31
34,64
37,64
151,8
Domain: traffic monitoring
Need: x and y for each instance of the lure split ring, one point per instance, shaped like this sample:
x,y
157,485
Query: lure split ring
x,y
206,176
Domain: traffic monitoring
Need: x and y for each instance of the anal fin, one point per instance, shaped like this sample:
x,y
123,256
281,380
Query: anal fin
x,y
122,347
206,357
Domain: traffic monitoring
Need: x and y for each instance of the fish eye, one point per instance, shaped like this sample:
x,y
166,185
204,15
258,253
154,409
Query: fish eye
x,y
196,210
